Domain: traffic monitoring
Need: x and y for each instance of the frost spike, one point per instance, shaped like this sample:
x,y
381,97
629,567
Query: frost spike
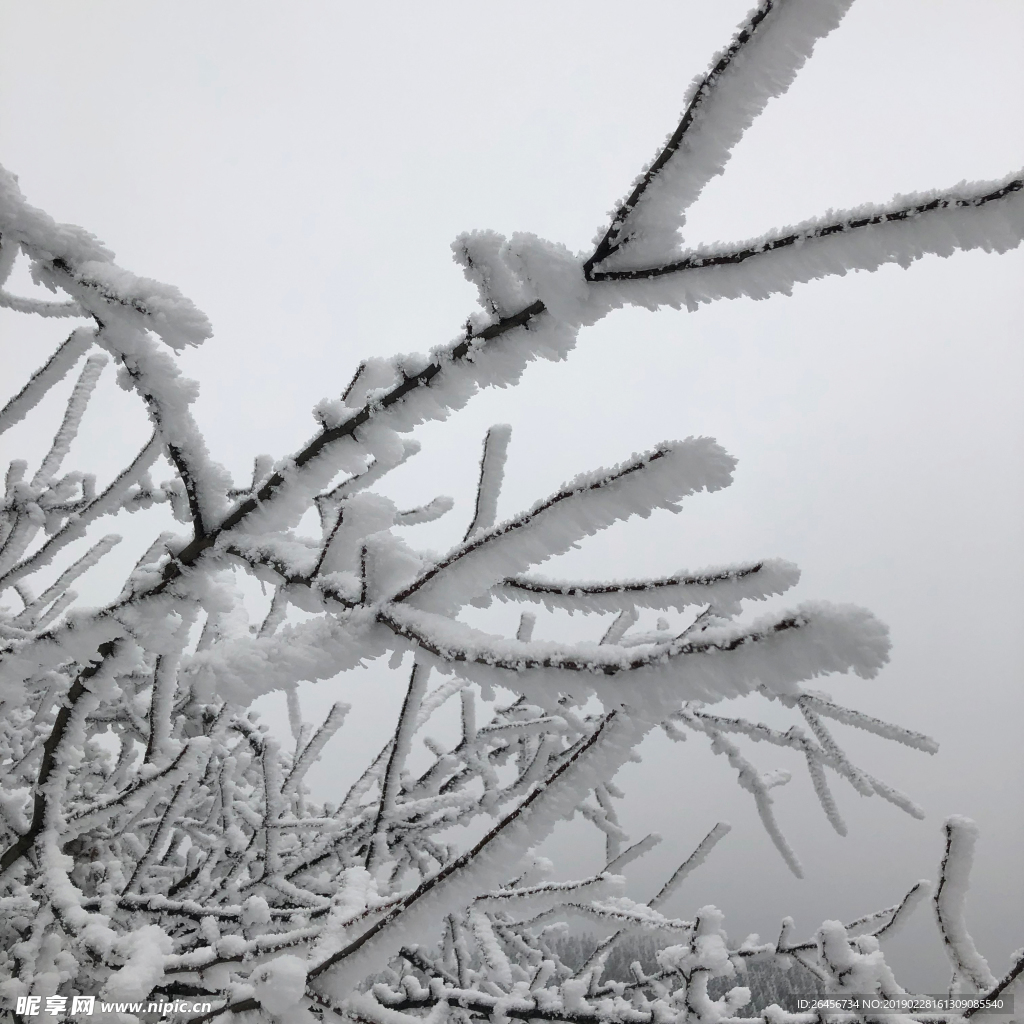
x,y
694,861
591,501
400,745
969,966
68,430
492,472
53,370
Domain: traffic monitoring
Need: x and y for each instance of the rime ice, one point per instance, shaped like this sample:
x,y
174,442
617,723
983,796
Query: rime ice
x,y
156,839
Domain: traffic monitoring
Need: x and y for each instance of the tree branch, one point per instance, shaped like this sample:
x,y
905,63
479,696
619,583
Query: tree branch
x,y
49,761
699,260
612,240
465,859
199,545
574,662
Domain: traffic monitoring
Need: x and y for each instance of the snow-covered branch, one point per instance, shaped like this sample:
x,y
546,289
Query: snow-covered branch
x,y
158,841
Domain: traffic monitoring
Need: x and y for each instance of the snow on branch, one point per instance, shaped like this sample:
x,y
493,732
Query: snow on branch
x,y
75,526
694,861
775,652
760,62
492,472
981,215
45,377
158,841
586,504
971,972
721,586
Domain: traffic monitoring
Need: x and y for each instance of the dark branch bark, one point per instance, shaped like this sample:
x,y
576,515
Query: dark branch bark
x,y
181,465
492,462
612,241
697,261
190,554
573,664
399,745
522,521
50,747
533,586
1004,983
108,295
953,951
47,375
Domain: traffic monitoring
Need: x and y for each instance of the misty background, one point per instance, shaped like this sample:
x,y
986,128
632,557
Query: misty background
x,y
299,172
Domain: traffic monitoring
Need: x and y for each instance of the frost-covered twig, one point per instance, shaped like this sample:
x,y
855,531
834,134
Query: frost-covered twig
x,y
492,472
159,840
971,972
45,377
616,235
723,586
50,759
400,745
694,861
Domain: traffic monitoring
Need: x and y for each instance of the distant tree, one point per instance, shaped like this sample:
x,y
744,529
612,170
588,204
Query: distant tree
x,y
769,982
159,845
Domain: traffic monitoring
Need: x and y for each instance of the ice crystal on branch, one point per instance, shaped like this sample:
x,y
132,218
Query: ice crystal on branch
x,y
156,843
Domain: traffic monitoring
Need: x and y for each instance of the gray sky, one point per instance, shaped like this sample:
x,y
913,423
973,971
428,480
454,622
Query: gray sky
x,y
299,171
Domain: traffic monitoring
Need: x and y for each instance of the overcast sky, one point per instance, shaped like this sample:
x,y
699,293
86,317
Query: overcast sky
x,y
299,171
